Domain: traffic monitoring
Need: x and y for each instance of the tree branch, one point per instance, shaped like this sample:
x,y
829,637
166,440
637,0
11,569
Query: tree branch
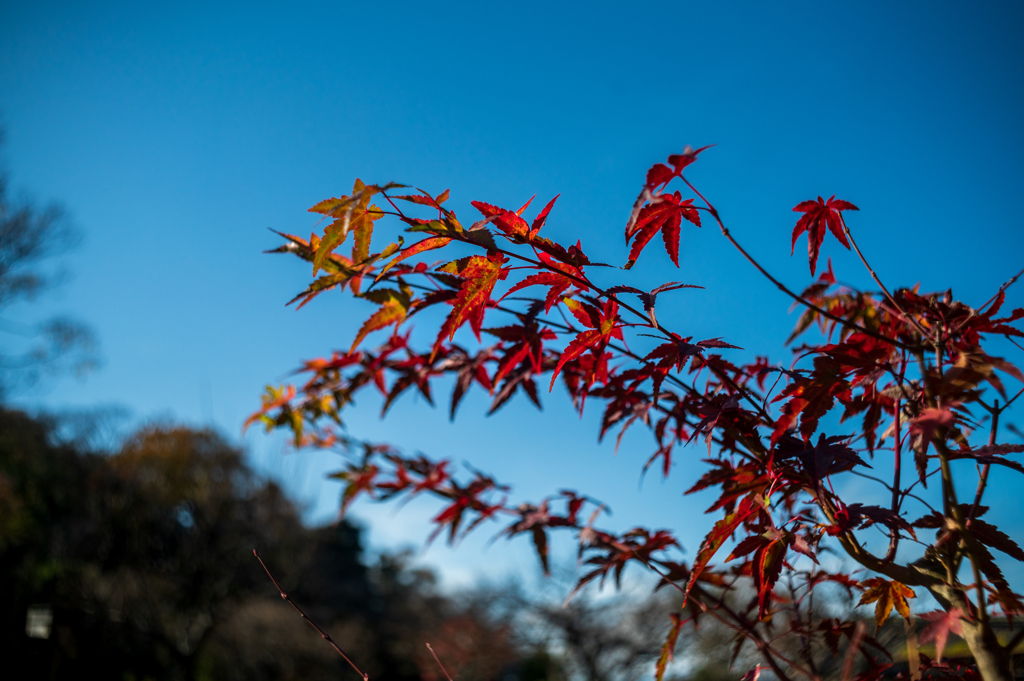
x,y
782,287
323,634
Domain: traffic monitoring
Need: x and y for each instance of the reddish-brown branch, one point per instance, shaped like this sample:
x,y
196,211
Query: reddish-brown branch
x,y
885,291
323,634
983,477
1002,288
438,660
782,287
894,537
858,633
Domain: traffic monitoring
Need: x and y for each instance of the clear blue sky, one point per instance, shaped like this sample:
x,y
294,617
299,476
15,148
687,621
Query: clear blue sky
x,y
177,133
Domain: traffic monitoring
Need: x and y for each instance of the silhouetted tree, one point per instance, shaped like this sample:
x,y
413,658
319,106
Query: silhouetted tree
x,y
29,235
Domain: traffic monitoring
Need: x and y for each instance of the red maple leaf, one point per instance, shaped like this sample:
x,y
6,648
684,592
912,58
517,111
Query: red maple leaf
x,y
769,555
722,530
811,398
480,274
511,223
926,423
668,647
817,215
467,369
665,214
560,278
939,625
602,326
527,345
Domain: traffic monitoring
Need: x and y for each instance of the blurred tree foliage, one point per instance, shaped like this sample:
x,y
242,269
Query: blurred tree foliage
x,y
144,558
602,636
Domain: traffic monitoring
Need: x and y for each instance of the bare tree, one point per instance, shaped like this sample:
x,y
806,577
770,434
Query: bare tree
x,y
29,236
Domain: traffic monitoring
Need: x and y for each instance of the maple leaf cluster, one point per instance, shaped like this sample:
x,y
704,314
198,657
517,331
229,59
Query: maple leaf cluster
x,y
910,368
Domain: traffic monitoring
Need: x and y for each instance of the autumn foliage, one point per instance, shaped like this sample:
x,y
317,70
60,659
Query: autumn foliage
x,y
907,371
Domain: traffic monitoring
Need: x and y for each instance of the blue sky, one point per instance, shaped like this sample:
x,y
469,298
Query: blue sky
x,y
177,133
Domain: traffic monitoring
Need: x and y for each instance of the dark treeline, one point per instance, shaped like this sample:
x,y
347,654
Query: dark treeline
x,y
143,559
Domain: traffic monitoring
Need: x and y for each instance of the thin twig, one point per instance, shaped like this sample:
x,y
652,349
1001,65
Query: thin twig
x,y
851,650
983,477
885,291
324,634
782,287
436,659
1002,288
905,492
1011,400
894,540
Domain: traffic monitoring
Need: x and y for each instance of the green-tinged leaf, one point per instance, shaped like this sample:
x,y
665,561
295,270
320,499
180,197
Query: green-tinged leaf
x,y
319,285
480,274
393,308
481,237
433,227
668,648
352,214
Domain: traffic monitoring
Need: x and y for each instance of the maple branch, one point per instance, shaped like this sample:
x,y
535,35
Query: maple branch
x,y
740,623
878,281
323,634
1012,399
901,573
904,493
968,539
983,478
782,287
313,399
770,422
894,537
